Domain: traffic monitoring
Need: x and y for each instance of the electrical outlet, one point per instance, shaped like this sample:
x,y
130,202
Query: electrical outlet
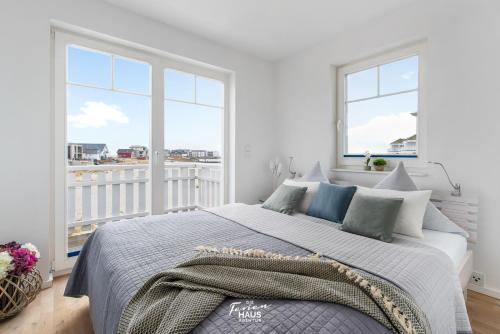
x,y
477,278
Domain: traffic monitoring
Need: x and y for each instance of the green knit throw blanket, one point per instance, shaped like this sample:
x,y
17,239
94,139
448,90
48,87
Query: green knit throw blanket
x,y
177,300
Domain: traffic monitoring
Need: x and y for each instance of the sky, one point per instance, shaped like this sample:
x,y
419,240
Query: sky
x,y
374,121
117,111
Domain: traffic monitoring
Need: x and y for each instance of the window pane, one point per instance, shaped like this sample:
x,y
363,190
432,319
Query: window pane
x,y
209,92
179,85
104,128
399,76
362,84
132,76
193,127
89,67
386,125
115,120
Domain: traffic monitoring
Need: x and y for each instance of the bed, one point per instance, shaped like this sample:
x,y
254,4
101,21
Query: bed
x,y
120,256
455,246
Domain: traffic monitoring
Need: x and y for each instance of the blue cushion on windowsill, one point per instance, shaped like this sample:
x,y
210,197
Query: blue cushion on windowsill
x,y
331,202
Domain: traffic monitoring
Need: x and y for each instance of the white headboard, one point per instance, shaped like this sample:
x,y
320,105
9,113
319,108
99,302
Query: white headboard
x,y
463,211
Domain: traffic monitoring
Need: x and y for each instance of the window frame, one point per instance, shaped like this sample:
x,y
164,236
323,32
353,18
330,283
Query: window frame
x,y
343,158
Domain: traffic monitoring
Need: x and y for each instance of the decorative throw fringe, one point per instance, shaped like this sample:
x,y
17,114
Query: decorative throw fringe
x,y
256,253
352,275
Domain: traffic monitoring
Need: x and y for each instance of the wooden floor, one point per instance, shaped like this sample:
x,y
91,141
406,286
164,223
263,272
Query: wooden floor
x,y
53,313
484,313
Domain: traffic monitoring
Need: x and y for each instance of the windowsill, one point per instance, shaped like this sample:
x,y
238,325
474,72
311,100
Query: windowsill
x,y
398,156
361,171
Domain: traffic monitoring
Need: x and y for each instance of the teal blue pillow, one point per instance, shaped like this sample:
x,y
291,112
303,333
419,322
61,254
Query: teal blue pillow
x,y
331,202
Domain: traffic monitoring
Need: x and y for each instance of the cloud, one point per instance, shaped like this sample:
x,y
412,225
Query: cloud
x,y
408,75
380,131
97,115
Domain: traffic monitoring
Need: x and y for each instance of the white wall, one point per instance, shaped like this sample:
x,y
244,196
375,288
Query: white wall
x,y
463,113
25,112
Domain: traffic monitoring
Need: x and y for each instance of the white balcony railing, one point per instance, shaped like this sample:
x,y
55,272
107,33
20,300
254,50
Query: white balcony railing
x,y
99,194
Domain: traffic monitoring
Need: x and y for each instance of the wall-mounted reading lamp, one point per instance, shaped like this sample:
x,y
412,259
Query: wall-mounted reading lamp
x,y
456,186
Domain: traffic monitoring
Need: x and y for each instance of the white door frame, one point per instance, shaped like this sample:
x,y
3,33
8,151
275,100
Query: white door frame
x,y
158,61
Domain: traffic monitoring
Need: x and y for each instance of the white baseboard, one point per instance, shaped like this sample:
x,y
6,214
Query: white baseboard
x,y
48,283
485,291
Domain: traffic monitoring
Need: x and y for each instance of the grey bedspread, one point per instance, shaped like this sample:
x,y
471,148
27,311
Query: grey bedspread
x,y
119,257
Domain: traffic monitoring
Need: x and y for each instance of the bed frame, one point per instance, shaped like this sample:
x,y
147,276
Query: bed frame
x,y
465,270
463,211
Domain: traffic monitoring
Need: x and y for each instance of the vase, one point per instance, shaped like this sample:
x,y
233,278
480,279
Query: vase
x,y
367,167
379,168
12,297
32,284
16,292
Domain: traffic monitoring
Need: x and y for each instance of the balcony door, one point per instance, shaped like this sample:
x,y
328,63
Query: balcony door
x,y
193,140
135,134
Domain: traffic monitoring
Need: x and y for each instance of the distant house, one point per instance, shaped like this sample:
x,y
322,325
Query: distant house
x,y
87,151
180,153
213,154
134,152
197,154
75,151
124,153
139,152
404,145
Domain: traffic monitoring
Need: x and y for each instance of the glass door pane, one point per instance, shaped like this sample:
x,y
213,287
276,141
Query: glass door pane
x,y
108,107
194,135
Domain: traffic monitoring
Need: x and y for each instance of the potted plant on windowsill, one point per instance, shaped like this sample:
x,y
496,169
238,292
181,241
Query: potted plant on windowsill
x,y
379,164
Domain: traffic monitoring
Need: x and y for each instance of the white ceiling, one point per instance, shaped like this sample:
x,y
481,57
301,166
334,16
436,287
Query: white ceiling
x,y
270,29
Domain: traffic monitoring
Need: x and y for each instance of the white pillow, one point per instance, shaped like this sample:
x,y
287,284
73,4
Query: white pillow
x,y
315,174
434,219
312,188
411,214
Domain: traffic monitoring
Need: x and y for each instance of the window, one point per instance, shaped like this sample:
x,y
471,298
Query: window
x,y
107,96
194,127
194,110
379,106
136,133
108,107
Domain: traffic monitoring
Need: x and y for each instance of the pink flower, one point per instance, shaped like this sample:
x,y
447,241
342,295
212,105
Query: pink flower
x,y
10,245
23,259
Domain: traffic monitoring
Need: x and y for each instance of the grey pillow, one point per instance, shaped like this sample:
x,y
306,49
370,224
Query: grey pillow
x,y
315,174
371,216
399,179
285,199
